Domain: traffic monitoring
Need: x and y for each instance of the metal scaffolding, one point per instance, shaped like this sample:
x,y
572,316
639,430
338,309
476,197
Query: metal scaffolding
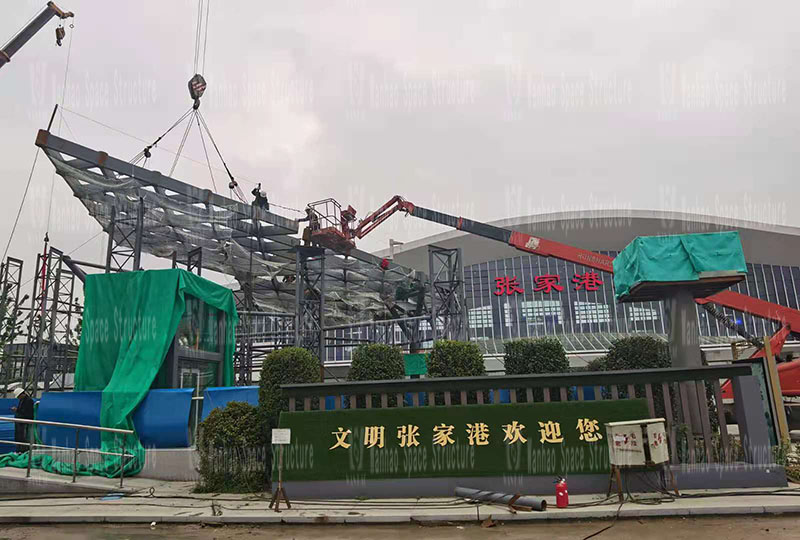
x,y
50,351
310,301
289,294
448,305
10,285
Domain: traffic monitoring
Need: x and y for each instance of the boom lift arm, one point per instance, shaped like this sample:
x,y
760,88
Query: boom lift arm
x,y
50,10
789,318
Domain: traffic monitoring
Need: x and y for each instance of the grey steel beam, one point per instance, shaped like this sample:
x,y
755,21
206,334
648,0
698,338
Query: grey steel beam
x,y
94,158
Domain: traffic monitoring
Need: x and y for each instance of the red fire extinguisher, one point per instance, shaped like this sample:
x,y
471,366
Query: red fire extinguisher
x,y
562,495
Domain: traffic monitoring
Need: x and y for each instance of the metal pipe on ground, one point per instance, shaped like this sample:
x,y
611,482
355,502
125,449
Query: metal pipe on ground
x,y
496,497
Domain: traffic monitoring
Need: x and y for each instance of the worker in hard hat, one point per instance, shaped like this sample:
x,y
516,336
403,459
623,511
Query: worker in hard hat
x,y
313,225
260,199
23,410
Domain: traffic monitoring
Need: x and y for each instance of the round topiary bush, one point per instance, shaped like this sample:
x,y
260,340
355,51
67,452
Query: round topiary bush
x,y
535,355
636,352
455,359
233,449
376,362
539,355
291,365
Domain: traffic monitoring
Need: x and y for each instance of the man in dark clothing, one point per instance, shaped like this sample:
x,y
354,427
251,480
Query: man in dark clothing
x,y
313,226
24,409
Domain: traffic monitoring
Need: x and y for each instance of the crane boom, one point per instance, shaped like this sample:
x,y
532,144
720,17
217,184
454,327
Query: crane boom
x,y
788,317
15,44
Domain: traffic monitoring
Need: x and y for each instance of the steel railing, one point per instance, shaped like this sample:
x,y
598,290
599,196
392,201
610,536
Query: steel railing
x,y
77,427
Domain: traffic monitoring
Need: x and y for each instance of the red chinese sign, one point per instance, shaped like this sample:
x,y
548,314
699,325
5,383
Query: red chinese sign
x,y
590,281
506,285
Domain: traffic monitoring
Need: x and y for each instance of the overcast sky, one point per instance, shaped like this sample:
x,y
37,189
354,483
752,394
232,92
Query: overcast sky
x,y
486,108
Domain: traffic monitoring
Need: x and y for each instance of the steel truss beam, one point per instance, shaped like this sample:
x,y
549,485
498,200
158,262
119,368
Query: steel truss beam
x,y
448,304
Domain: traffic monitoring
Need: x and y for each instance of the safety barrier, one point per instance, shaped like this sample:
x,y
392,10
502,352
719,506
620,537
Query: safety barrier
x,y
77,427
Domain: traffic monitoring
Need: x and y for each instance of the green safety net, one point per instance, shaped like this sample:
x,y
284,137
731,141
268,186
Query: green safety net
x,y
681,257
129,322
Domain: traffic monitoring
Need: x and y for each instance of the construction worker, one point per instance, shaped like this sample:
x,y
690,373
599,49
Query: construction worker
x,y
313,225
260,200
24,410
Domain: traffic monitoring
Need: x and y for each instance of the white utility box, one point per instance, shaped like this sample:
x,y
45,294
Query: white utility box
x,y
637,443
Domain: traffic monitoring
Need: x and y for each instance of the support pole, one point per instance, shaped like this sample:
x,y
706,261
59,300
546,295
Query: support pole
x,y
110,247
137,246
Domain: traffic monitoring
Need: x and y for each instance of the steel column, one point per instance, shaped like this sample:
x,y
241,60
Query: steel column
x,y
448,304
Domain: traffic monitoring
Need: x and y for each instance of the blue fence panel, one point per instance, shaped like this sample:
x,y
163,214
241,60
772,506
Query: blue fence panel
x,y
162,418
71,408
219,396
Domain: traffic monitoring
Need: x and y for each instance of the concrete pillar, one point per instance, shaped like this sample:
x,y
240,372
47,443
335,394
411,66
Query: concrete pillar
x,y
684,335
684,346
751,420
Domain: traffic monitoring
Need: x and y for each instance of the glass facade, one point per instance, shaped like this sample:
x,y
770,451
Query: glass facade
x,y
579,308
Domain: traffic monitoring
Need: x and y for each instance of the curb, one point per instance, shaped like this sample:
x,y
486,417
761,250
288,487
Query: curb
x,y
268,517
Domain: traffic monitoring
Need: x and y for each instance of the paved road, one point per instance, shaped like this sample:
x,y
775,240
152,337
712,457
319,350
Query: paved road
x,y
735,528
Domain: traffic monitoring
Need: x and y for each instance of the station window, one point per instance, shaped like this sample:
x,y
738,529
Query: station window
x,y
591,312
480,317
541,312
636,313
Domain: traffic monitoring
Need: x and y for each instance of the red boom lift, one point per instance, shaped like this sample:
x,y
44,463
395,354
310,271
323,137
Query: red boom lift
x,y
340,234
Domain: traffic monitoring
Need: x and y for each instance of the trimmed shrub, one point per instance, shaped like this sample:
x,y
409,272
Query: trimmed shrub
x,y
234,454
376,362
291,365
635,352
541,355
535,355
456,359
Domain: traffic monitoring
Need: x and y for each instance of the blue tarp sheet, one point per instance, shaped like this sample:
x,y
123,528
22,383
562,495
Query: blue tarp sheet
x,y
219,396
162,418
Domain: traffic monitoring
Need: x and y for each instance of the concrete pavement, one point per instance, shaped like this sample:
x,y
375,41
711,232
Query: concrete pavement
x,y
147,501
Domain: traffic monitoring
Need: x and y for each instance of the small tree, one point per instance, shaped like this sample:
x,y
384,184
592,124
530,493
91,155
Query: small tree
x,y
456,359
233,449
291,365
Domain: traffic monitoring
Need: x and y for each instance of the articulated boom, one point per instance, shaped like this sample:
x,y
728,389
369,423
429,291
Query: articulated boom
x,y
789,318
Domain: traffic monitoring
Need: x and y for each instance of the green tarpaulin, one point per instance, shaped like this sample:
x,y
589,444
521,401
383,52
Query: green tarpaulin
x,y
416,363
682,257
129,322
